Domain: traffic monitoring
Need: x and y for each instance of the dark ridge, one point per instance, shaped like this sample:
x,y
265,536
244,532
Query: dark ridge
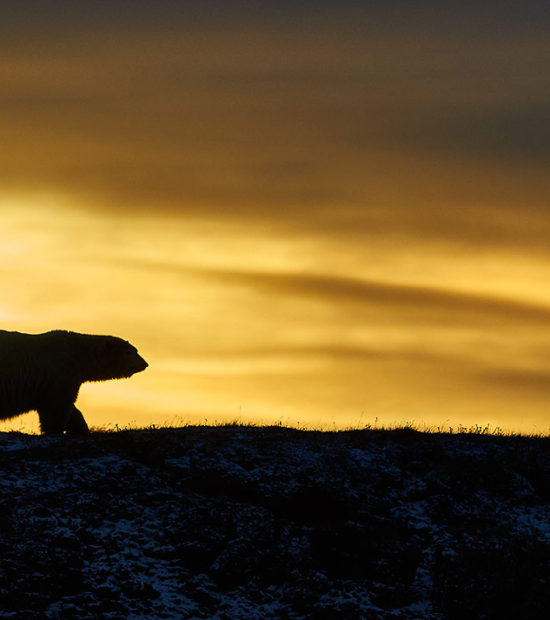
x,y
272,522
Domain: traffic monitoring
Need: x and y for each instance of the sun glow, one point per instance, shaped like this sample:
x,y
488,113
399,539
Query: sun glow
x,y
266,323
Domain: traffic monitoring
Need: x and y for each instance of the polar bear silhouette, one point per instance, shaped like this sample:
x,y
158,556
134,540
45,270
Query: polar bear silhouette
x,y
44,372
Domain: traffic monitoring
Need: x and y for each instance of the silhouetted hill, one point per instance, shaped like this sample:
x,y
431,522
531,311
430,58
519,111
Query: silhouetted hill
x,y
243,522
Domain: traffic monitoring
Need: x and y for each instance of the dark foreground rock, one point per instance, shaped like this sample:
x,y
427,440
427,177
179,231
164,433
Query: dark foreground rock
x,y
240,522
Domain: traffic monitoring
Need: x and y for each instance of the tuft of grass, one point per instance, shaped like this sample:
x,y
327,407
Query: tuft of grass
x,y
405,426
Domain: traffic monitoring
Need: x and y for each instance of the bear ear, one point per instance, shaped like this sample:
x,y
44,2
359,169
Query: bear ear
x,y
114,346
111,345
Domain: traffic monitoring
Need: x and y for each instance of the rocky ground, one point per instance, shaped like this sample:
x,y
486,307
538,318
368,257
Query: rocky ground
x,y
244,522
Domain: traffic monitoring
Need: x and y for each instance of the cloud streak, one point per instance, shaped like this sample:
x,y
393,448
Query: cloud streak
x,y
401,298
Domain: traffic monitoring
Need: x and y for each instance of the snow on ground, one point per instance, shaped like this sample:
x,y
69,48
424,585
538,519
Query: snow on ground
x,y
243,522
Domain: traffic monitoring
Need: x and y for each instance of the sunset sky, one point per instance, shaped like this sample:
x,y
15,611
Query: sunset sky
x,y
324,213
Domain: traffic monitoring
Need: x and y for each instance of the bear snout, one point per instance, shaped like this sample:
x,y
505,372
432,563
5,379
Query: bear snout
x,y
141,364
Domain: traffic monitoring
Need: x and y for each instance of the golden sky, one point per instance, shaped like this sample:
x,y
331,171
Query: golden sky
x,y
322,213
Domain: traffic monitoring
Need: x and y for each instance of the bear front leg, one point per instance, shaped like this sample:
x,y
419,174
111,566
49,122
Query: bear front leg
x,y
76,425
54,419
